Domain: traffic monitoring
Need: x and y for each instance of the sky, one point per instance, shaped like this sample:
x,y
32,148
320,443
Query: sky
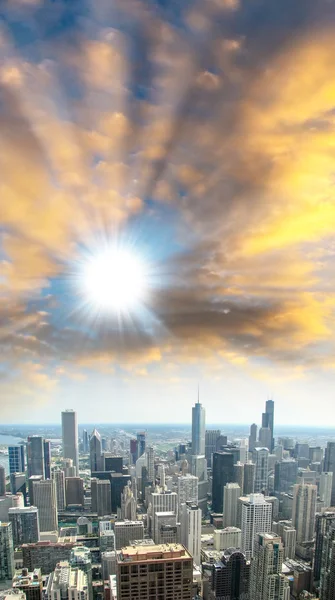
x,y
200,138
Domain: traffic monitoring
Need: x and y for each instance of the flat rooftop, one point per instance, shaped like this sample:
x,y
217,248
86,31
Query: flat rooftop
x,y
155,552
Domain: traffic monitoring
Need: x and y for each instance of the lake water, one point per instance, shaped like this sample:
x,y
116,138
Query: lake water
x,y
7,440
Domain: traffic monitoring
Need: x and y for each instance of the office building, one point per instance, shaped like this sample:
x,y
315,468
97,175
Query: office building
x,y
223,473
266,580
67,583
230,576
253,437
187,490
46,555
58,477
268,421
108,564
239,474
12,595
101,497
6,551
7,502
199,470
286,473
29,583
85,442
325,488
150,463
81,559
324,526
256,517
133,451
261,459
35,456
229,537
327,570
288,535
163,572
198,429
96,459
118,483
166,529
47,459
231,494
128,505
70,437
74,491
18,485
113,463
249,478
141,440
211,438
2,481
303,511
45,499
125,531
16,458
329,466
190,523
265,438
68,468
25,525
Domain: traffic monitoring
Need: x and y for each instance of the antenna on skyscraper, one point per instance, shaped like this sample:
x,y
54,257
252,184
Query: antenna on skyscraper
x,y
198,395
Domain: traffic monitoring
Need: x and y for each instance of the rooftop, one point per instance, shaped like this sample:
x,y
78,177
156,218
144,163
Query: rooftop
x,y
156,552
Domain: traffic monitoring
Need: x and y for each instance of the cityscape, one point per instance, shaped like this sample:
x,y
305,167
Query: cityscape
x,y
148,515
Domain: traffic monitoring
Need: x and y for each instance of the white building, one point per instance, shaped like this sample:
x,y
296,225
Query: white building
x,y
166,529
303,511
45,499
198,429
191,529
66,583
125,531
161,502
325,488
230,537
231,494
70,437
266,580
289,537
187,490
256,518
150,463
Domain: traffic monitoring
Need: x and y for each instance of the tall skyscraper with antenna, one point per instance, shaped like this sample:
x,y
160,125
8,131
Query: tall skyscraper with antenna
x,y
198,429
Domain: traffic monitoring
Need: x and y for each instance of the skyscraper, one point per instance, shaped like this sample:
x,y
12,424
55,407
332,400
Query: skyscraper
x,y
16,459
324,525
253,437
286,473
267,581
231,494
151,463
59,478
141,439
223,472
101,497
125,531
324,561
303,511
256,518
45,499
47,459
198,429
325,488
25,525
269,411
211,438
190,522
187,489
231,576
95,451
2,481
35,456
85,441
70,437
261,459
329,465
6,551
74,491
249,478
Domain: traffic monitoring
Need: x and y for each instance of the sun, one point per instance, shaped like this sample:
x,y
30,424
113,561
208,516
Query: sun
x,y
114,280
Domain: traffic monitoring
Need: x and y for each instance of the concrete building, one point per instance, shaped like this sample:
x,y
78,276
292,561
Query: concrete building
x,y
45,499
161,502
96,458
288,535
229,537
46,555
18,485
256,517
249,478
25,525
35,456
67,583
327,571
198,430
265,438
303,511
70,437
231,494
230,576
223,473
58,477
286,473
211,438
253,437
187,490
2,481
74,491
108,564
329,466
6,551
128,504
261,459
267,581
150,463
163,572
324,530
166,528
190,523
125,531
239,474
325,488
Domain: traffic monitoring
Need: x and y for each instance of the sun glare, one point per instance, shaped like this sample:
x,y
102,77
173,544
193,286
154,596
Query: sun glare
x,y
114,280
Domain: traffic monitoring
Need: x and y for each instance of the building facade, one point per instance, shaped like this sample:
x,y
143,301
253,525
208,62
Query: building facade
x,y
45,499
303,511
256,517
25,525
70,437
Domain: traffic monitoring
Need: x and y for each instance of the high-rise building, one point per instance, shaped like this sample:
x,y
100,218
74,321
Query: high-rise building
x,y
267,581
46,555
269,410
25,525
239,474
16,459
74,491
128,504
30,583
59,478
324,526
125,531
229,537
81,559
161,502
187,490
70,437
45,499
133,451
95,451
325,488
163,572
166,530
35,456
253,437
141,440
231,494
261,459
286,473
101,497
211,438
288,535
223,473
256,517
18,485
151,463
86,446
67,583
112,462
329,466
327,559
198,429
2,481
47,459
190,522
6,551
303,511
249,478
32,480
265,438
230,576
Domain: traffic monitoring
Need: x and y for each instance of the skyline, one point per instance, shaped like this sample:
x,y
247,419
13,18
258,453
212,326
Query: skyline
x,y
196,141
